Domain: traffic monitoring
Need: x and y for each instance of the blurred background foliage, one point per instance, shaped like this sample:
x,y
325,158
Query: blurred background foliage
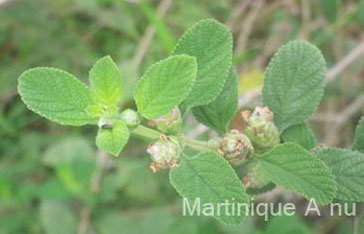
x,y
52,178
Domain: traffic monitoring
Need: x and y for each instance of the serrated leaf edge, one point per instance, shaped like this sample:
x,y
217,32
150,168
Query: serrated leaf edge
x,y
235,103
107,57
20,83
163,61
209,20
334,192
268,68
359,125
339,149
236,177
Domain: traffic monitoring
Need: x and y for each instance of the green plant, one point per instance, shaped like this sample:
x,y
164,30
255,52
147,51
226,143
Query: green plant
x,y
276,147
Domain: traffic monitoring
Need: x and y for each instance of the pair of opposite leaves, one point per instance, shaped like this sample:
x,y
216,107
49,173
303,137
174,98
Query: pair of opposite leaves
x,y
292,90
60,97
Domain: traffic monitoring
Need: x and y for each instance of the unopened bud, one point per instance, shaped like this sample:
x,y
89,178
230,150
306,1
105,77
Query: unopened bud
x,y
130,117
235,147
260,129
170,122
164,153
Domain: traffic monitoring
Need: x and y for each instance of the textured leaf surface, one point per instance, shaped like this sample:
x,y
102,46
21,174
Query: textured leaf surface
x,y
165,85
348,169
293,83
359,136
57,218
114,139
218,114
292,167
106,83
210,42
55,95
209,177
301,134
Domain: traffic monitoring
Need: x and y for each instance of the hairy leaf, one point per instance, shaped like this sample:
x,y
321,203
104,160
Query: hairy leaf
x,y
358,143
56,95
210,42
113,139
292,167
106,83
301,134
293,83
165,85
348,169
218,114
209,177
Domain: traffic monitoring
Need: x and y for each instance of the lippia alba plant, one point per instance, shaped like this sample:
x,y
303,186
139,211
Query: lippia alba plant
x,y
276,147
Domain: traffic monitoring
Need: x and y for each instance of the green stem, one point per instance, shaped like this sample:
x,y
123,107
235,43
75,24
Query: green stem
x,y
146,132
149,133
198,145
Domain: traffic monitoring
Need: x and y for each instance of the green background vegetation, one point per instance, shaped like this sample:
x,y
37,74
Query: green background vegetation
x,y
52,178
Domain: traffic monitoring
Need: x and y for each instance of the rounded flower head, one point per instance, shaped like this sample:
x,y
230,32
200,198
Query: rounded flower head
x,y
235,147
164,153
170,122
260,129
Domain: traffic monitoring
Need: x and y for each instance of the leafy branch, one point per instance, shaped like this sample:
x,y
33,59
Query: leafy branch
x,y
276,147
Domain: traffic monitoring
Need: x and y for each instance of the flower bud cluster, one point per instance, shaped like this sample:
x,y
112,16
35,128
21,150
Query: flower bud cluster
x,y
260,129
235,147
164,153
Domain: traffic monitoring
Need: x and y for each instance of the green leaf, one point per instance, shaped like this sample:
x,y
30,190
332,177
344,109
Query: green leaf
x,y
293,83
57,218
301,134
56,95
165,85
348,168
358,143
218,114
209,177
210,42
106,83
292,167
113,139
